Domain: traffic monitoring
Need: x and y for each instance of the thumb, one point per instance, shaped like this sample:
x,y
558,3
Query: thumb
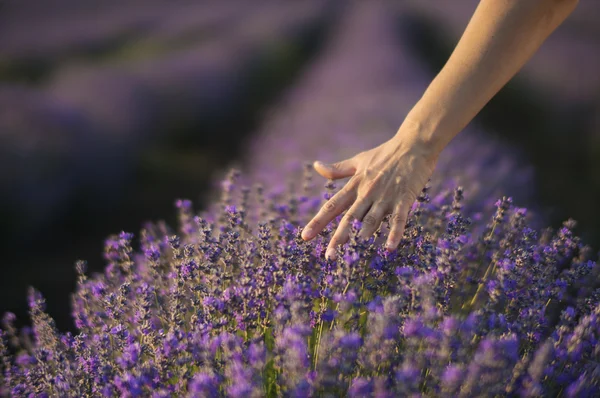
x,y
335,171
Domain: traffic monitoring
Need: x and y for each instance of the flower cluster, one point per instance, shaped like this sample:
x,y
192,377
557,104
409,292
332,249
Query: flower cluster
x,y
240,305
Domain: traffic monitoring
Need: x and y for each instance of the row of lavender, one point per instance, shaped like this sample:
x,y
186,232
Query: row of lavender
x,y
43,38
235,303
84,128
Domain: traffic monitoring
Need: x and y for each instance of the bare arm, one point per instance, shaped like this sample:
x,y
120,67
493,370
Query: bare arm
x,y
501,36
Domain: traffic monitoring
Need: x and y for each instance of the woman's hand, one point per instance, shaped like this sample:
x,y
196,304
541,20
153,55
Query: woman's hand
x,y
385,180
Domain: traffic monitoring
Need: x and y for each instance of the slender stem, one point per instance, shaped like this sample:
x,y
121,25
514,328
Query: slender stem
x,y
316,356
488,272
491,267
316,352
338,304
424,387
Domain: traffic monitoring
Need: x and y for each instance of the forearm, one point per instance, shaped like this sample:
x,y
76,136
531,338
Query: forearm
x,y
501,36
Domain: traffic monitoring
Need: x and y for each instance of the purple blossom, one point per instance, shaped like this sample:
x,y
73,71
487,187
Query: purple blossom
x,y
360,387
452,377
203,384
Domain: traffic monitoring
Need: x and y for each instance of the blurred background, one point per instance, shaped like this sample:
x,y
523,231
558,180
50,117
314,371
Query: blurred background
x,y
110,110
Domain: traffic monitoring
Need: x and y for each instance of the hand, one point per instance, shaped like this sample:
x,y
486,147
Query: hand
x,y
385,180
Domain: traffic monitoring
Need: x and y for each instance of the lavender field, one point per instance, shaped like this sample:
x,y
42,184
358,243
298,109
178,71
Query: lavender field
x,y
178,140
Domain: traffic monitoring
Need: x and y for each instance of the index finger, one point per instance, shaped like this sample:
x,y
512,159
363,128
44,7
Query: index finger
x,y
331,209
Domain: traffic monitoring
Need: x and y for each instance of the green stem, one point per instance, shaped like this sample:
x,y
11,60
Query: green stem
x,y
338,304
490,269
318,343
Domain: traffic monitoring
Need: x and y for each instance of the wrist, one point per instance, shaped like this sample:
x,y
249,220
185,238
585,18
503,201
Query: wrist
x,y
433,121
419,137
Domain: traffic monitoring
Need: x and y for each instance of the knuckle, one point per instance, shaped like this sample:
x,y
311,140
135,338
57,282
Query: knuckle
x,y
369,220
375,175
314,224
398,218
409,195
350,216
401,184
383,204
369,187
368,173
347,190
330,206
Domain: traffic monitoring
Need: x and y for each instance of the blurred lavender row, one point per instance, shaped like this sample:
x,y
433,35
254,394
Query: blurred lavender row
x,y
354,97
69,32
198,84
83,131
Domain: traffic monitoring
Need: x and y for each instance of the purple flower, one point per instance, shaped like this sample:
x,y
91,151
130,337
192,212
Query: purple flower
x,y
449,325
404,272
25,359
328,315
361,387
203,384
452,376
351,341
412,327
130,356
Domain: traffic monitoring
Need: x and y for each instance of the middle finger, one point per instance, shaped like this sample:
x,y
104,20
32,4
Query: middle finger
x,y
356,212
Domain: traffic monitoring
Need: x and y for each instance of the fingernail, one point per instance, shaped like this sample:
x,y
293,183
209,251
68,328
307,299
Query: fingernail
x,y
330,254
307,233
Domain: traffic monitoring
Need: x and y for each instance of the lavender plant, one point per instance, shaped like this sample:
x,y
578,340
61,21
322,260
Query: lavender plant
x,y
235,303
71,31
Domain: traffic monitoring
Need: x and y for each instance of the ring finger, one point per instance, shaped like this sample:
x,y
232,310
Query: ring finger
x,y
373,219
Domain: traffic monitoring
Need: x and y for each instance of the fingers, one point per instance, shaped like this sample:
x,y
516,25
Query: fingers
x,y
397,224
331,209
335,171
373,219
356,212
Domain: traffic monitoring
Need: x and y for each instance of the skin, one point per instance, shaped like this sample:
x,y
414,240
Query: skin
x,y
499,39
